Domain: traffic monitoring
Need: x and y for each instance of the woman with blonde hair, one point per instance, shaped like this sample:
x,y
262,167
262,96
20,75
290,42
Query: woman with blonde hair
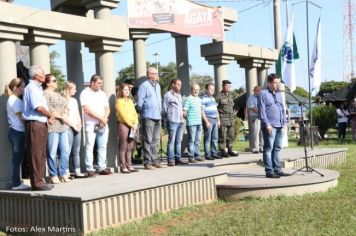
x,y
14,109
74,127
127,127
57,132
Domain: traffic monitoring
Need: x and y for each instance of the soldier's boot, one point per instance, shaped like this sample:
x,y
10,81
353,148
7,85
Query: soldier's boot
x,y
232,153
224,153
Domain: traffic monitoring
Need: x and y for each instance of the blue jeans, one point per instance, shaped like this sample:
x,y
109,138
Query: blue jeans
x,y
194,134
211,138
74,149
17,140
271,150
57,142
175,136
101,141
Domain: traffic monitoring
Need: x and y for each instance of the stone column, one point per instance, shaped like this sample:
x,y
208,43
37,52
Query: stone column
x,y
262,77
39,40
8,36
220,63
105,67
139,37
250,66
182,61
220,74
74,60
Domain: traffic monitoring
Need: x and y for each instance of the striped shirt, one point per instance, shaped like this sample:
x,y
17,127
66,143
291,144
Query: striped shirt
x,y
193,107
209,105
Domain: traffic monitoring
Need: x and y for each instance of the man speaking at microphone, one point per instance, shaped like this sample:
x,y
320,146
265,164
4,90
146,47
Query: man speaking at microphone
x,y
273,118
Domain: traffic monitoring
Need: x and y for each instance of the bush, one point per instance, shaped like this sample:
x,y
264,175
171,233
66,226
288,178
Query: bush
x,y
324,117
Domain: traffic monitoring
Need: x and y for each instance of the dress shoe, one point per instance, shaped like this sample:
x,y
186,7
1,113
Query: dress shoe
x,y
255,152
224,154
210,158
180,162
217,157
148,167
232,153
199,159
283,174
272,175
45,187
192,161
171,163
133,169
105,172
125,171
159,165
91,174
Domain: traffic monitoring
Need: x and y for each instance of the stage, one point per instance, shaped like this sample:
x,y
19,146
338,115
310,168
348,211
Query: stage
x,y
89,204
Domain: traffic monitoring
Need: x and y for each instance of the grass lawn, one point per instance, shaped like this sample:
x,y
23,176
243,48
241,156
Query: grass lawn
x,y
330,213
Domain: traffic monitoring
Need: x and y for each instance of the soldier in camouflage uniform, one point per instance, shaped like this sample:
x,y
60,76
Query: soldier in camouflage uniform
x,y
227,117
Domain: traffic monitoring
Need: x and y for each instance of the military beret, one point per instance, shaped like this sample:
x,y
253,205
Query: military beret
x,y
226,82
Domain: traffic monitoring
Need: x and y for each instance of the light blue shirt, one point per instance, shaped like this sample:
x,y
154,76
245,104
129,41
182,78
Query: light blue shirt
x,y
33,98
173,107
251,103
271,109
149,101
210,107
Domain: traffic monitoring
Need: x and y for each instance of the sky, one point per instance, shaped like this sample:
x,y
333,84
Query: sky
x,y
254,27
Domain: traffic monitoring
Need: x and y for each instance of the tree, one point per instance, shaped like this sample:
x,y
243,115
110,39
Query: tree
x,y
55,70
324,118
202,80
331,86
301,92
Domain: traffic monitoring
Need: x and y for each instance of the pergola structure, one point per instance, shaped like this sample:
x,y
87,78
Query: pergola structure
x,y
91,22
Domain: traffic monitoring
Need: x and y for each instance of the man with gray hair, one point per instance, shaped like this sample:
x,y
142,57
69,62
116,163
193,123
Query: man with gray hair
x,y
255,129
149,103
36,115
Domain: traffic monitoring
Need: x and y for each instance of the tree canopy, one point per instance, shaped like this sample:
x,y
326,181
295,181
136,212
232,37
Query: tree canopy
x,y
55,70
301,92
331,86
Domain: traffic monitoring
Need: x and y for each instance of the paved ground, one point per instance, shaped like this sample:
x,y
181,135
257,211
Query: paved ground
x,y
91,188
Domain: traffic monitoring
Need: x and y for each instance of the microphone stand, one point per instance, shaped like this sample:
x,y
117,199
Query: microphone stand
x,y
302,125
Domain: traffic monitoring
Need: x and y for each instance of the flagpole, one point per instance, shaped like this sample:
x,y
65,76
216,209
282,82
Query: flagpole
x,y
309,85
310,108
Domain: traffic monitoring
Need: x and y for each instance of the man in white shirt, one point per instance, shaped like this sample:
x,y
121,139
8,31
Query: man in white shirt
x,y
96,111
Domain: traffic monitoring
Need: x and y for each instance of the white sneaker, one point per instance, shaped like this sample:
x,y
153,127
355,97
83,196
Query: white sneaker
x,y
78,173
21,187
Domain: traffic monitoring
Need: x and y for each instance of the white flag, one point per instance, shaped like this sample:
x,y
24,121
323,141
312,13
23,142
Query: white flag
x,y
315,62
287,55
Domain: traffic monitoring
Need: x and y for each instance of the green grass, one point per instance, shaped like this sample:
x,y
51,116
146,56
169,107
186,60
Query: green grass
x,y
330,213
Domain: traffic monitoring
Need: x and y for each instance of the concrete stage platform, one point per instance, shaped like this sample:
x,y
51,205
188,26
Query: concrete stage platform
x,y
87,205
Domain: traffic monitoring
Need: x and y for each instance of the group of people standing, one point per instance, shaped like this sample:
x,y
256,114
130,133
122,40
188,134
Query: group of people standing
x,y
346,115
48,125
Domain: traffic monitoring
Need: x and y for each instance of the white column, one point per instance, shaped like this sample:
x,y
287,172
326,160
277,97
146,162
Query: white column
x,y
39,55
220,74
74,60
262,77
182,61
139,49
7,73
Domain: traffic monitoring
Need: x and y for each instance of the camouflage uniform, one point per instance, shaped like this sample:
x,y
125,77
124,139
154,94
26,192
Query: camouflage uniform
x,y
226,111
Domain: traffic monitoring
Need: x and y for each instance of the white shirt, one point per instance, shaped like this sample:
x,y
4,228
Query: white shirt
x,y
342,115
73,114
97,101
14,105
